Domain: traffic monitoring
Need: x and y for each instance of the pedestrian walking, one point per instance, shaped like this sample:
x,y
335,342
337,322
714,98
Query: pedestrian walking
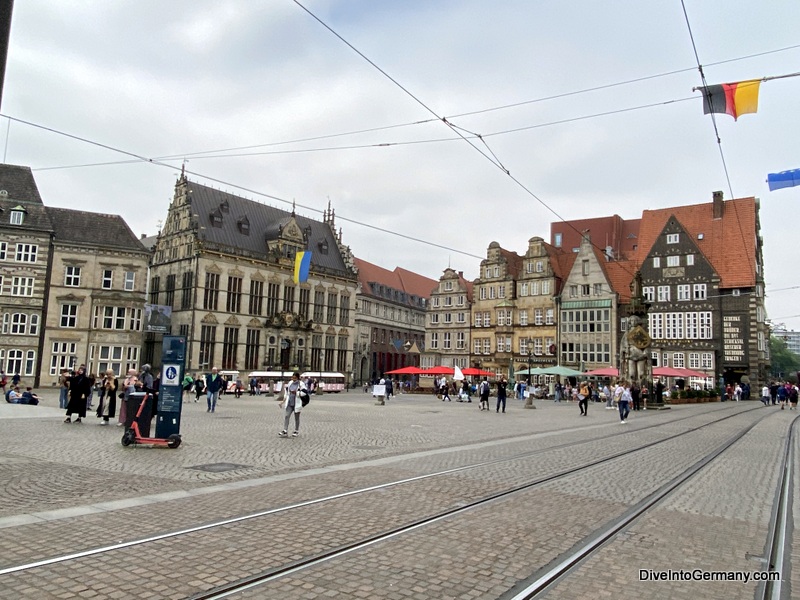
x,y
445,392
609,398
793,393
292,404
107,398
389,388
128,387
636,396
484,392
78,391
186,385
63,389
583,398
765,395
213,386
90,397
4,382
624,403
199,387
501,394
16,379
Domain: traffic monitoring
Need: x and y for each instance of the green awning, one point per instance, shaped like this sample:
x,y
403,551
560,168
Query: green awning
x,y
586,304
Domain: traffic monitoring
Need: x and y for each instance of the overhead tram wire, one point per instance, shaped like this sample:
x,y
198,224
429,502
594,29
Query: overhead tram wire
x,y
381,144
446,122
716,130
199,154
159,163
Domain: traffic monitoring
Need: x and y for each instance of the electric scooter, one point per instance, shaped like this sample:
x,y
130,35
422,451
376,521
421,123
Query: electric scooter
x,y
133,435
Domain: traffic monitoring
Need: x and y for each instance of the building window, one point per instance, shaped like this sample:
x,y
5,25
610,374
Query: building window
x,y
256,300
699,291
492,292
689,260
107,279
654,358
208,334
684,292
69,315
448,286
319,307
22,286
694,360
211,292
663,293
305,303
17,218
523,318
448,317
155,288
502,292
19,324
677,360
169,292
3,250
233,301
649,293
673,260
487,346
656,262
460,340
434,318
476,346
186,290
446,341
130,281
573,291
534,288
549,316
27,253
706,360
497,271
598,289
72,276
585,290
229,344
460,318
333,299
538,316
656,325
585,267
434,340
539,266
672,238
63,356
110,357
557,240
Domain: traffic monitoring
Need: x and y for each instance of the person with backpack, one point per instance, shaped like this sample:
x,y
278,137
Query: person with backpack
x,y
292,404
186,386
484,390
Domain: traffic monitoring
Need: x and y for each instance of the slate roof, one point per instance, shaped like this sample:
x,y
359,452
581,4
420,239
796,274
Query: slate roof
x,y
400,279
21,190
263,223
93,229
729,243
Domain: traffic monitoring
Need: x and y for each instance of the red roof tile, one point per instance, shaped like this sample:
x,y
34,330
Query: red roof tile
x,y
399,279
729,243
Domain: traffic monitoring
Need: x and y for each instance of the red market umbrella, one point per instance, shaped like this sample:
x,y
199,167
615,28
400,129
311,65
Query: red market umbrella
x,y
604,372
669,372
406,371
439,371
692,373
477,372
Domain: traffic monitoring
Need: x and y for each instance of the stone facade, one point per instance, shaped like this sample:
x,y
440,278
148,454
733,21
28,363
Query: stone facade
x,y
96,300
224,266
448,328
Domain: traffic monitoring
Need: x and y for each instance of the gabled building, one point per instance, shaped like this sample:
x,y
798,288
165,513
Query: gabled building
x,y
25,254
493,308
588,312
224,266
96,297
539,283
702,269
449,321
389,319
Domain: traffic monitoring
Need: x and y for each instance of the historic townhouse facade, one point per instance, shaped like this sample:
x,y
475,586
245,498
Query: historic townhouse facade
x,y
224,266
588,312
96,295
702,268
493,307
539,283
389,319
448,328
25,255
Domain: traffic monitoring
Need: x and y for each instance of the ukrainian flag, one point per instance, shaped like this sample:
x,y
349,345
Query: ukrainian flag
x,y
302,262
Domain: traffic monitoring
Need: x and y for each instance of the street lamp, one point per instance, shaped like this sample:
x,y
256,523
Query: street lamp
x,y
529,399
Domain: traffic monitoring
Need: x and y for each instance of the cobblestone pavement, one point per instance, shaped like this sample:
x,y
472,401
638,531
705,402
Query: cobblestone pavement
x,y
69,487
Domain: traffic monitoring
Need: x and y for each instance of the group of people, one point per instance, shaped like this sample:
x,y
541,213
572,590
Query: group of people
x,y
77,387
783,393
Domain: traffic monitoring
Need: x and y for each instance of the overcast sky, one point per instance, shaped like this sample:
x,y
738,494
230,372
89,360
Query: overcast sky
x,y
173,78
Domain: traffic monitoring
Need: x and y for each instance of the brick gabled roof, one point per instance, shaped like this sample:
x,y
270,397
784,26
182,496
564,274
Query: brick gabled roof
x,y
729,243
620,274
562,264
514,262
400,279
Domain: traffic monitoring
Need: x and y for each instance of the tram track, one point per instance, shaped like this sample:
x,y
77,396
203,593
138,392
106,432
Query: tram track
x,y
221,523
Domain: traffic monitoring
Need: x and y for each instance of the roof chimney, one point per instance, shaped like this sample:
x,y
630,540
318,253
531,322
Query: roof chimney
x,y
718,205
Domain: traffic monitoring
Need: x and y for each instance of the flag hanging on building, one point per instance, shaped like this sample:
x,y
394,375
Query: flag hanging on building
x,y
733,99
302,262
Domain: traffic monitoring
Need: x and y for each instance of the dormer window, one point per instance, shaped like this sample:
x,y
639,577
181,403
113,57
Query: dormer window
x,y
323,247
244,226
216,218
225,207
17,217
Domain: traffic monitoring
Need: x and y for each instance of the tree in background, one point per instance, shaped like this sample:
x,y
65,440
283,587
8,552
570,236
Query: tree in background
x,y
784,362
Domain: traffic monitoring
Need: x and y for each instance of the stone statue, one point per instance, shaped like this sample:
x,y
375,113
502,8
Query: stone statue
x,y
635,352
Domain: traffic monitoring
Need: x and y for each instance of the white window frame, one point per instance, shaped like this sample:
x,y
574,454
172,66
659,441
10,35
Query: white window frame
x,y
130,281
700,291
656,262
107,279
673,260
673,238
684,292
68,316
22,286
72,276
26,253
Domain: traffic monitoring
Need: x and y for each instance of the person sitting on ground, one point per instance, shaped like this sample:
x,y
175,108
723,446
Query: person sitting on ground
x,y
28,397
12,395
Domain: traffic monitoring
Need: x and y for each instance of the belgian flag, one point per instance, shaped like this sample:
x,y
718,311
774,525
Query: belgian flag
x,y
733,99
